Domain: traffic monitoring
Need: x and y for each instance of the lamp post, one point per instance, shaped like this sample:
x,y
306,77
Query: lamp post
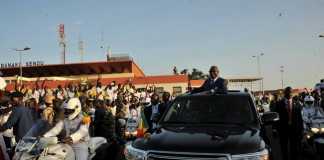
x,y
282,76
258,57
20,58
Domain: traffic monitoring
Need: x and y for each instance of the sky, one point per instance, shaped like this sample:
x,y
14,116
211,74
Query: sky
x,y
161,34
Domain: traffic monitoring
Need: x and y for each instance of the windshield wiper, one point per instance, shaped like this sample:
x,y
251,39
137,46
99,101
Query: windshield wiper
x,y
174,122
245,125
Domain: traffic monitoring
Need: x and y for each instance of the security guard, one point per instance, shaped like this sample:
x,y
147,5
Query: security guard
x,y
75,129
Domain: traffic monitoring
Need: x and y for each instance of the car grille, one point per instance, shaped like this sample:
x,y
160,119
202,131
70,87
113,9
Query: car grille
x,y
184,156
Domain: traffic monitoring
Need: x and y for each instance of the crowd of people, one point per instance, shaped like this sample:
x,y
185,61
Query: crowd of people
x,y
296,112
84,110
40,111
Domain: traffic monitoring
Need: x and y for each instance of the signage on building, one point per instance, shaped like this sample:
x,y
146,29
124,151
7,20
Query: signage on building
x,y
16,64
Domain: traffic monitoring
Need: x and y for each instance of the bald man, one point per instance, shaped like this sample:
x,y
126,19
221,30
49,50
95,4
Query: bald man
x,y
214,81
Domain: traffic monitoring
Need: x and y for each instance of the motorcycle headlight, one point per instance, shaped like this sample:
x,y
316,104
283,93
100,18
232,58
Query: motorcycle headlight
x,y
315,130
132,153
263,155
308,136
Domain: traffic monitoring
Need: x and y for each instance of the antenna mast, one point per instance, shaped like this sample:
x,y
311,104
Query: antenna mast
x,y
62,42
81,48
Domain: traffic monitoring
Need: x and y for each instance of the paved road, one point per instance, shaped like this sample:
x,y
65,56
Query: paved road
x,y
307,154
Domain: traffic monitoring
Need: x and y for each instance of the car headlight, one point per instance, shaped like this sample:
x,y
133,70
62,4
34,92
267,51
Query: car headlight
x,y
322,130
132,153
263,155
315,130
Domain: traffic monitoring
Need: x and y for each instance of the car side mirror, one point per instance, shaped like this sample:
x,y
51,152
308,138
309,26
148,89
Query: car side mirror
x,y
269,117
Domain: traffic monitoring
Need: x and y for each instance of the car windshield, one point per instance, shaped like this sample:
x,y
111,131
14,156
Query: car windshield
x,y
218,109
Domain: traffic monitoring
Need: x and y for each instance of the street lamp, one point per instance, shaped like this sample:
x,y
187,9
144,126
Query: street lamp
x,y
20,58
282,78
259,68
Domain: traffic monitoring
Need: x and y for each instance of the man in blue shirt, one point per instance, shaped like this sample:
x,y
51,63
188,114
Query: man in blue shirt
x,y
21,118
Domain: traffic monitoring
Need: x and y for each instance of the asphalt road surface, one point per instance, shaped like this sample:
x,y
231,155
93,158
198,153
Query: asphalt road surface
x,y
307,153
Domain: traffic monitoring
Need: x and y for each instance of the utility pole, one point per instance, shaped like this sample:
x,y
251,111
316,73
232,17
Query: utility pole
x,y
20,51
258,57
81,48
282,76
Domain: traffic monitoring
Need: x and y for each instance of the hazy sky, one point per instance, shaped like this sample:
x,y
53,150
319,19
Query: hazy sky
x,y
187,33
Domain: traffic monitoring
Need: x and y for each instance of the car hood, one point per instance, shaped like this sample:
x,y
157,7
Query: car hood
x,y
219,139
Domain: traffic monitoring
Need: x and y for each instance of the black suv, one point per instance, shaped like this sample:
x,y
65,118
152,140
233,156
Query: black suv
x,y
206,126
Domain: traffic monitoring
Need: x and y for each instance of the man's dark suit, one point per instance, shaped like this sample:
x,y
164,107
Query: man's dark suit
x,y
220,84
163,107
148,114
104,124
291,133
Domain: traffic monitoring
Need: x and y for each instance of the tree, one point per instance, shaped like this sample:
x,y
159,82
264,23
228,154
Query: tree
x,y
195,74
185,72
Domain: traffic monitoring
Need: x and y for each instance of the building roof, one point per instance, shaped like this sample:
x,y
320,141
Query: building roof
x,y
161,79
198,83
244,78
87,68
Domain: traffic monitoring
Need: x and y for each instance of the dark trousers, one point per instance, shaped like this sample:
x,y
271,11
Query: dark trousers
x,y
290,144
10,149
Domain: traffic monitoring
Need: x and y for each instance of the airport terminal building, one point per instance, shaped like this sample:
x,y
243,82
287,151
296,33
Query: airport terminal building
x,y
118,70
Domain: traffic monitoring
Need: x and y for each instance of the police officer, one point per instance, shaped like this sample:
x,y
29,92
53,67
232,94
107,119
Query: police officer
x,y
76,129
308,111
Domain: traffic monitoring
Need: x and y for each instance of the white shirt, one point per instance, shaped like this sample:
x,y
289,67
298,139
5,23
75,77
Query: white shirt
x,y
41,92
70,94
110,93
215,79
36,95
60,95
99,89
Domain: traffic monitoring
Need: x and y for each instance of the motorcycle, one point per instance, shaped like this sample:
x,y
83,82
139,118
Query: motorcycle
x,y
315,136
32,148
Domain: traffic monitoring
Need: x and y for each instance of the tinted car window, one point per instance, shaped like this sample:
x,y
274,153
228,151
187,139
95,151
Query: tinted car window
x,y
211,109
